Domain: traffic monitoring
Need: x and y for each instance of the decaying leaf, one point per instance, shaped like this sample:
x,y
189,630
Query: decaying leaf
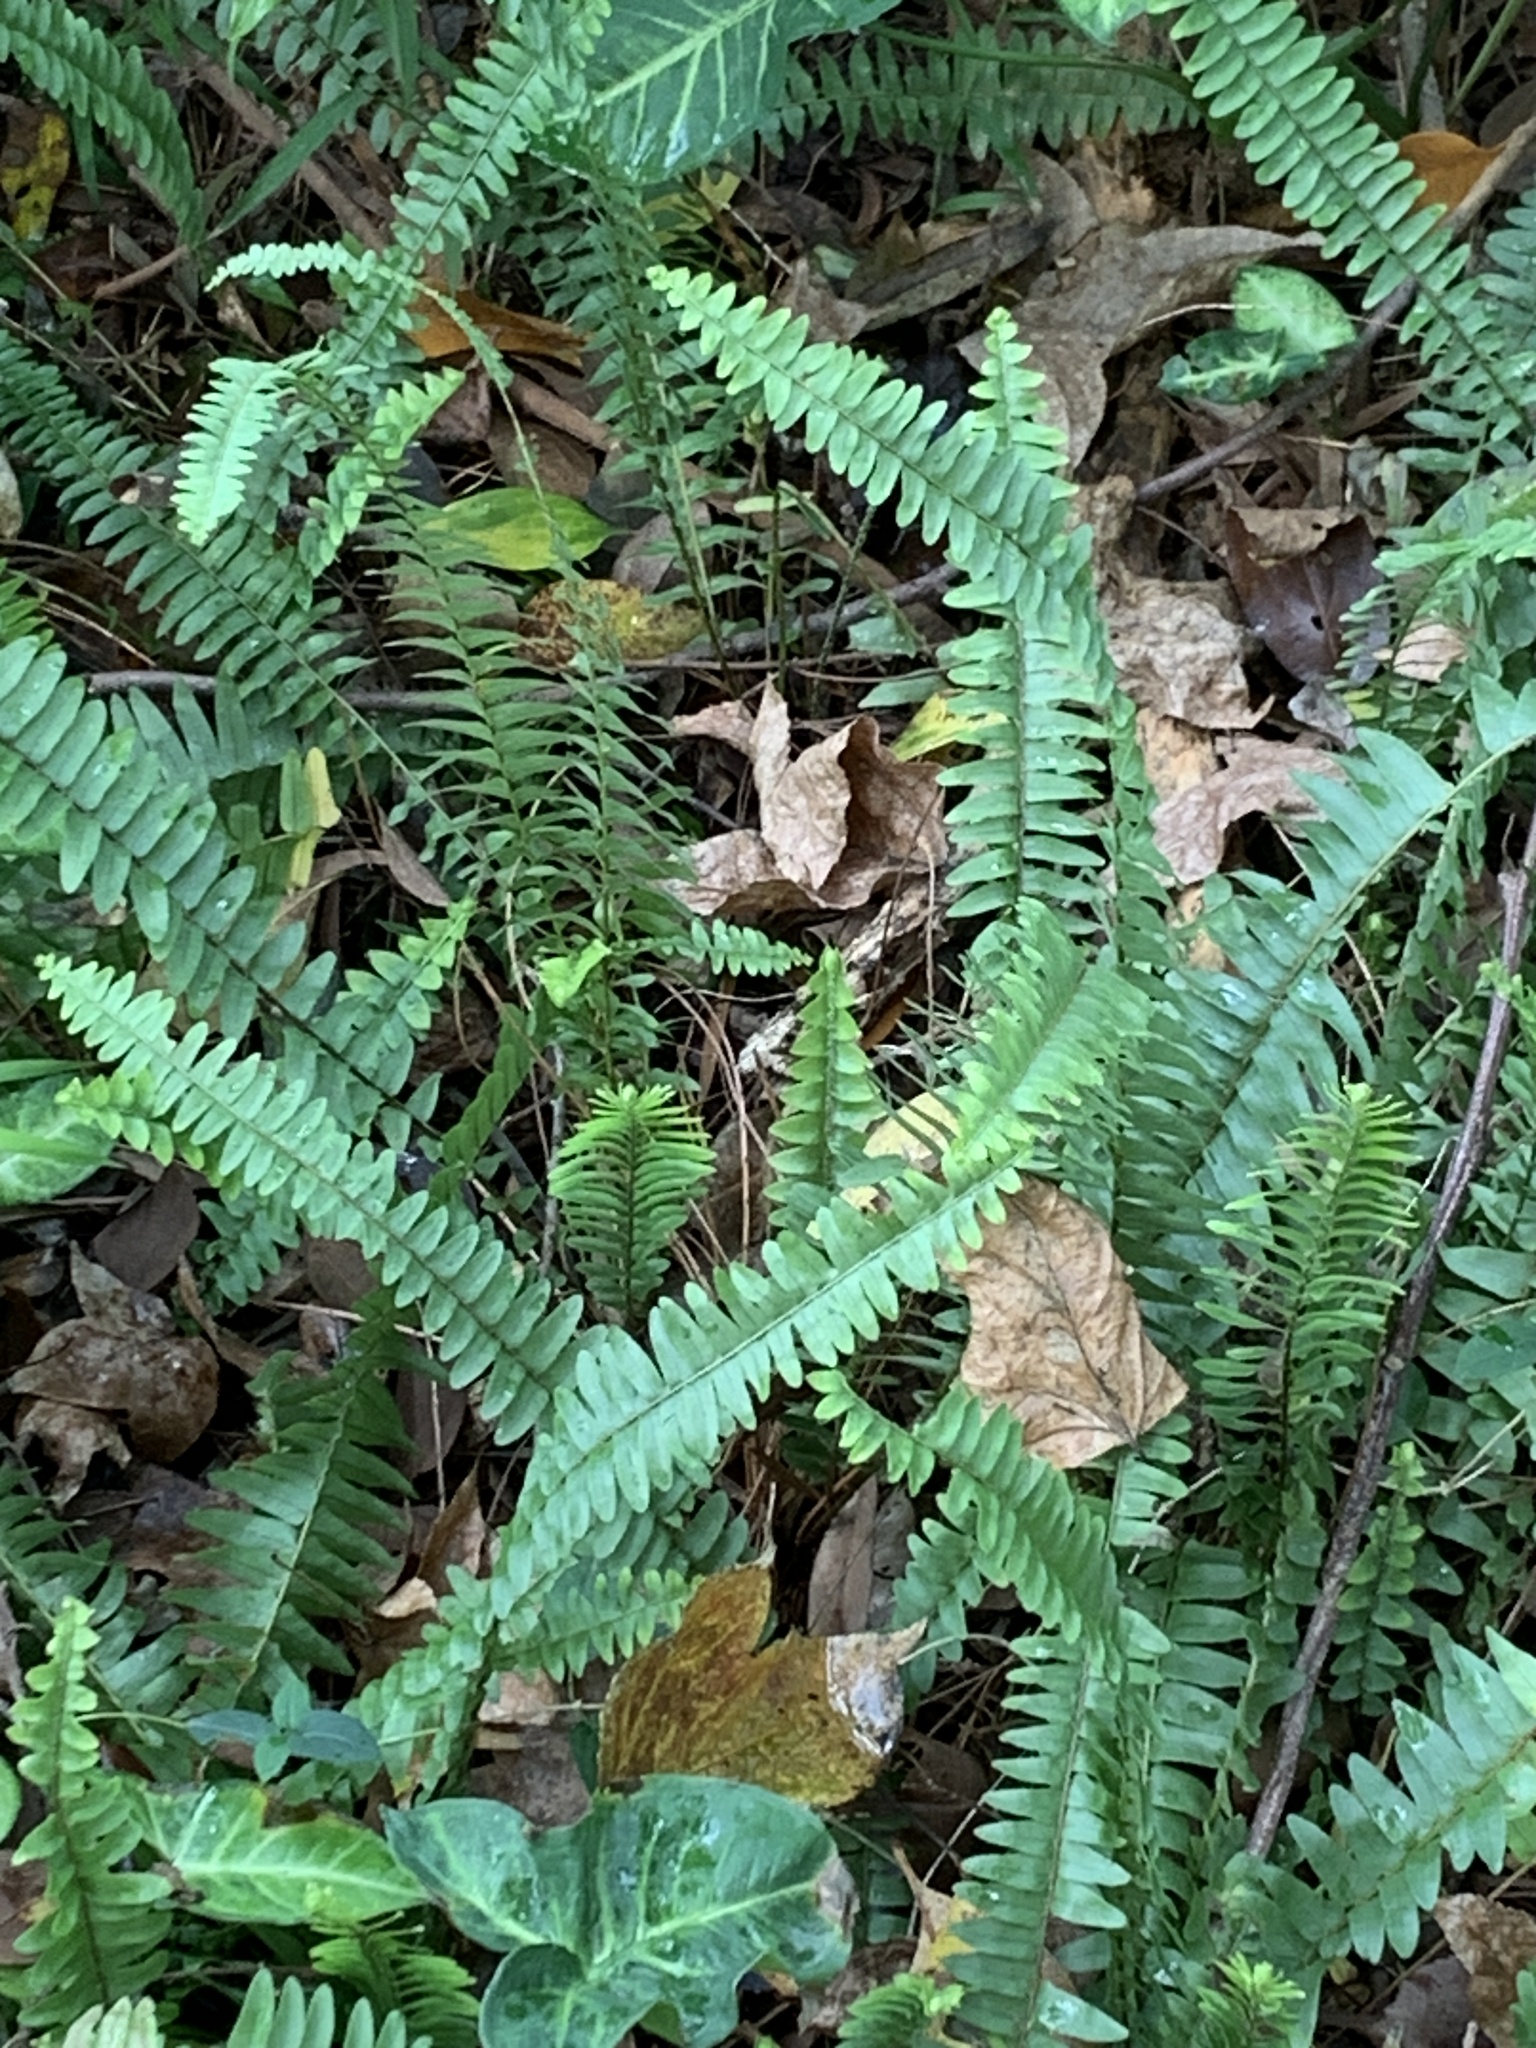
x,y
843,1570
838,821
1259,776
1297,581
143,1243
1450,165
813,1717
1056,1334
516,334
1178,649
1494,1944
119,1361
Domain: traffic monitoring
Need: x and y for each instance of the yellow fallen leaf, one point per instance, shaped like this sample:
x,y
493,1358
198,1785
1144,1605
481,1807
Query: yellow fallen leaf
x,y
1056,1334
40,136
813,1717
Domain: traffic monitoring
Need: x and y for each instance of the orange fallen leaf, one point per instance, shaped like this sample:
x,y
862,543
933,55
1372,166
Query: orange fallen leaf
x,y
515,334
1450,165
813,1717
1056,1334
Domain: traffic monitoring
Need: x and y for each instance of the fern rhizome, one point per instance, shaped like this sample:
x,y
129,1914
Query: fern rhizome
x,y
676,1307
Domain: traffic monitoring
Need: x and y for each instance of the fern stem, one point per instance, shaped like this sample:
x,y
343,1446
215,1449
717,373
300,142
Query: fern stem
x,y
1365,1475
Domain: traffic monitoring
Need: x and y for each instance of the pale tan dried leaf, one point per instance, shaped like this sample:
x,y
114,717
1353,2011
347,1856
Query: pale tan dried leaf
x,y
1176,756
1260,776
1178,649
1494,1944
1056,1334
1281,532
1428,650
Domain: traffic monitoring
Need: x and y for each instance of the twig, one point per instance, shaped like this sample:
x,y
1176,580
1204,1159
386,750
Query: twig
x,y
1392,308
1365,1475
756,639
267,128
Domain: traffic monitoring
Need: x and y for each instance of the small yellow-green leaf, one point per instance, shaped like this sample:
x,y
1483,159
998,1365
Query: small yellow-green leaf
x,y
516,528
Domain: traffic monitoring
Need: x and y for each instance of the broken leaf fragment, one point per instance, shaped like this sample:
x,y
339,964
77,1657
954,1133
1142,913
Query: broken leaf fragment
x,y
1056,1334
814,1718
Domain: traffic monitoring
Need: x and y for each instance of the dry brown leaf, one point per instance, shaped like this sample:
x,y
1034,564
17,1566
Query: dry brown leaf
x,y
1176,756
839,821
1178,650
1056,1335
1259,776
813,1717
1494,1944
143,1244
1450,165
516,334
1427,650
121,1360
843,1569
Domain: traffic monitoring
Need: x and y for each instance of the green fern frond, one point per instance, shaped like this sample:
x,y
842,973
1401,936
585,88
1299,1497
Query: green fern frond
x,y
1495,322
624,1179
830,1103
1376,1607
78,65
1050,1852
726,948
96,1938
432,1994
307,1544
996,96
1459,1779
909,2012
138,1684
232,419
267,1131
287,2019
1318,1245
128,2024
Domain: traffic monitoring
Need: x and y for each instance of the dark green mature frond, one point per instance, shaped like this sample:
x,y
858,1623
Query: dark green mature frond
x,y
624,1179
432,1994
42,1567
78,65
97,1939
1303,1297
996,96
308,1544
1236,1060
830,1102
242,604
1051,1851
1377,1608
262,1127
1495,322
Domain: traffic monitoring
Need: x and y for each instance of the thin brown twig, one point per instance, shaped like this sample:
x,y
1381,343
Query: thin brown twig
x,y
1360,1488
1338,366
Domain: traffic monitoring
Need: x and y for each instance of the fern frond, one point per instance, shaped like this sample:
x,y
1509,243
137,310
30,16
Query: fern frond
x,y
232,419
1459,1779
1304,1307
995,96
96,1939
1376,1607
901,2014
307,1545
267,1131
78,65
1051,1851
287,2019
128,2024
624,1179
830,1102
433,1995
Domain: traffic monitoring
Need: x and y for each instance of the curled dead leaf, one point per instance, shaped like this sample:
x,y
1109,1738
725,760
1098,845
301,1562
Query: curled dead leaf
x,y
1056,1335
1191,826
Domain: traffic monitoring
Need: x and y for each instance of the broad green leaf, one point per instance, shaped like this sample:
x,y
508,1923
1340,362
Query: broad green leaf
x,y
656,1904
515,528
1101,19
45,1148
675,82
1267,299
327,1873
1229,367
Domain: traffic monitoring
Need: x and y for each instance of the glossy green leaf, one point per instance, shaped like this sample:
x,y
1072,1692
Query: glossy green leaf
x,y
1229,367
1267,299
655,1904
325,1873
45,1148
515,528
676,82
